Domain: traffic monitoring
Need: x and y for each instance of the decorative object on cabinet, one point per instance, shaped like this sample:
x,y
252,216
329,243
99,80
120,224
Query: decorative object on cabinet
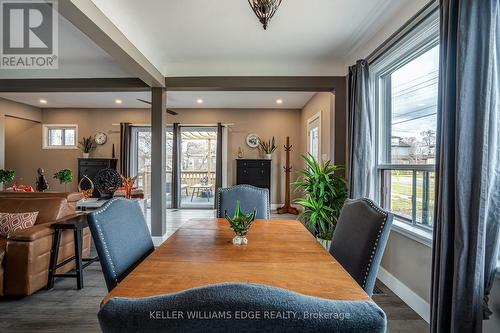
x,y
86,186
107,182
240,223
91,166
113,154
267,148
240,152
87,145
100,138
64,176
128,185
41,181
252,140
256,172
287,208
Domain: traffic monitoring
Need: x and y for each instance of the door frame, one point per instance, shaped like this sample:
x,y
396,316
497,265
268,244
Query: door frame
x,y
316,116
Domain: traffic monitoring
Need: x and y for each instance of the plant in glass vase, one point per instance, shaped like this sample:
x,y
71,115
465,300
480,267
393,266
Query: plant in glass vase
x,y
324,194
267,147
64,176
240,223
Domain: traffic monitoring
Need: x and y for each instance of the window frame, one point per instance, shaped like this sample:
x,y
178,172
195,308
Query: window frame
x,y
422,38
46,128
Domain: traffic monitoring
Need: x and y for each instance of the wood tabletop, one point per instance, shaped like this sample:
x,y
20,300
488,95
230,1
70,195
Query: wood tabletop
x,y
279,253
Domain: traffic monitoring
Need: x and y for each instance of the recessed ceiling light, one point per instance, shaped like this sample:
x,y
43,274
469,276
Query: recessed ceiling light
x,y
279,101
199,101
118,101
43,101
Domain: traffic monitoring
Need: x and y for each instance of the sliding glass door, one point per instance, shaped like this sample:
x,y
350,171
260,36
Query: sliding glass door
x,y
198,163
141,161
197,159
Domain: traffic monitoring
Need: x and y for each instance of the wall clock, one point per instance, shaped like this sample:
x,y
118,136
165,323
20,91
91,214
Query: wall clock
x,y
253,140
100,138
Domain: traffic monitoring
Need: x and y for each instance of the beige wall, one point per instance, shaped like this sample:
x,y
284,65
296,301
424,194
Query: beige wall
x,y
410,262
13,109
324,103
263,122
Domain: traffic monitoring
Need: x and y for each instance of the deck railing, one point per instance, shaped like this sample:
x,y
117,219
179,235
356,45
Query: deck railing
x,y
188,179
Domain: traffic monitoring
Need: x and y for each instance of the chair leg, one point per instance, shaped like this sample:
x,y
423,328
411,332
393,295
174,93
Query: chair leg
x,y
78,232
53,258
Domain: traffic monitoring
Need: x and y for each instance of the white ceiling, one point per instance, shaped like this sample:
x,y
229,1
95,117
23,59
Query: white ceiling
x,y
175,99
224,37
79,57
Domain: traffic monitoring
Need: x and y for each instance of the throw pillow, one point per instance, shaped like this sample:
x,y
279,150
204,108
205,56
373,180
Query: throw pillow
x,y
10,222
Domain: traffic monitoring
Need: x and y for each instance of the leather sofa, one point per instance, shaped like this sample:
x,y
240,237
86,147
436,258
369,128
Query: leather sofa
x,y
71,197
25,254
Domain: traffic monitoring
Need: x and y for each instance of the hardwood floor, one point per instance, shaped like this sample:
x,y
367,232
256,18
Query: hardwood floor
x,y
65,309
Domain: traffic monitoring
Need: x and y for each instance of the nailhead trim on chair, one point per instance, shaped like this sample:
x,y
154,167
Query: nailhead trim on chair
x,y
103,209
384,214
250,187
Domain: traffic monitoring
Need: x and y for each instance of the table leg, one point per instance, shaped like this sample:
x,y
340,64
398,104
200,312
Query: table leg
x,y
192,194
78,232
53,258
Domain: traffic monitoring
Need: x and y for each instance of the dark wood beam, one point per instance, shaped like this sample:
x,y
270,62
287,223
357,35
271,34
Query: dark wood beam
x,y
254,83
73,85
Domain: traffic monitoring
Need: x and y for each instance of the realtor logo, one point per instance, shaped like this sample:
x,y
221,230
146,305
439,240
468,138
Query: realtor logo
x,y
29,38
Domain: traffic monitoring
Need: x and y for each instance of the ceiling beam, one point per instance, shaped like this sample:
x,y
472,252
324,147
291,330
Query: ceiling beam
x,y
89,19
255,83
73,85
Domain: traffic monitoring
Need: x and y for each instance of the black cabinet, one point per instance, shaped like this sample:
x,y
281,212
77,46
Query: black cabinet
x,y
91,166
254,172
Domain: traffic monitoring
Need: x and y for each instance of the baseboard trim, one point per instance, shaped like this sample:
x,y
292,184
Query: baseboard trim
x,y
275,206
414,301
158,240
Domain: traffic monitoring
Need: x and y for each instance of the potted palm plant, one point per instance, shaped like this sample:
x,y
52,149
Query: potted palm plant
x,y
87,145
7,176
267,147
64,176
324,193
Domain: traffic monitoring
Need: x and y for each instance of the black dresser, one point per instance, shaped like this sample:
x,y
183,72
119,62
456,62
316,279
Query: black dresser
x,y
90,167
254,172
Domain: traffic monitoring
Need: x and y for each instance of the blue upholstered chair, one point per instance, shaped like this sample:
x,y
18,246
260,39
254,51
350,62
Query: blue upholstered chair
x,y
121,237
250,197
359,240
226,303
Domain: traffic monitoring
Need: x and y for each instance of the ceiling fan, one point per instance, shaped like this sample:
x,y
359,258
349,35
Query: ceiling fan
x,y
172,112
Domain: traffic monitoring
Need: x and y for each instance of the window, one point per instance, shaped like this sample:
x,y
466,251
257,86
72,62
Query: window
x,y
60,136
313,134
406,89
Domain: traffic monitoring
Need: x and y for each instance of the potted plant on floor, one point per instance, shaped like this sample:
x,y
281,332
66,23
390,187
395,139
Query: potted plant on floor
x,y
267,148
87,145
324,194
6,176
64,176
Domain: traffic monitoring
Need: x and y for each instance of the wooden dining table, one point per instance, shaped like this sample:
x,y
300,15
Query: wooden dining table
x,y
279,253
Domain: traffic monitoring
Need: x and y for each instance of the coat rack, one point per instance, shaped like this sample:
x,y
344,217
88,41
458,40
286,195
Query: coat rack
x,y
287,208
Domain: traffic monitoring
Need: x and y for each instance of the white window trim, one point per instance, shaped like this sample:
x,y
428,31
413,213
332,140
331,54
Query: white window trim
x,y
416,42
45,136
309,121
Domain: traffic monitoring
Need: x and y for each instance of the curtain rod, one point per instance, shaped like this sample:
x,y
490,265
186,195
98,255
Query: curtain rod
x,y
422,14
181,125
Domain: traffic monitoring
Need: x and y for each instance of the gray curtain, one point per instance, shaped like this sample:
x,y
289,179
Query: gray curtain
x,y
125,137
218,164
467,211
176,166
361,136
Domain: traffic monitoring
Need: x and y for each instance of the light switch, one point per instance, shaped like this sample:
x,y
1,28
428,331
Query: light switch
x,y
324,157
